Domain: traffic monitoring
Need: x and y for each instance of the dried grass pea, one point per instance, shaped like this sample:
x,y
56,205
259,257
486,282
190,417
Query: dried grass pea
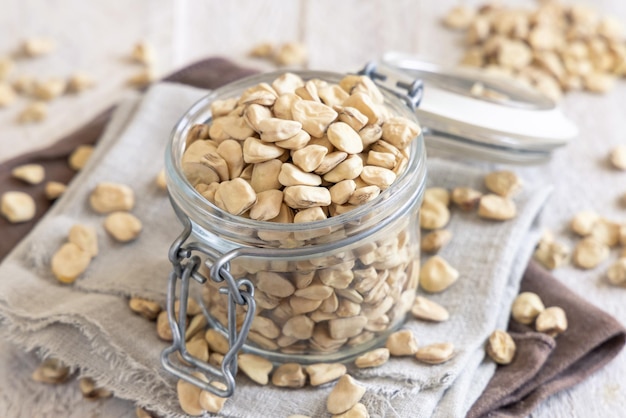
x,y
267,120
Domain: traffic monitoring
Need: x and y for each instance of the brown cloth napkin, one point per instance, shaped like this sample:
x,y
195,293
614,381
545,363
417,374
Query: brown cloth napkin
x,y
209,74
542,365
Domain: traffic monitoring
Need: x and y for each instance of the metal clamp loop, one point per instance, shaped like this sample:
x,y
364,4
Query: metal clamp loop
x,y
414,89
220,271
238,292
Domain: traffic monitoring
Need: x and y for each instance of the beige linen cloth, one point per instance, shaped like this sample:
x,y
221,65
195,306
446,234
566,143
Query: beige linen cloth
x,y
89,325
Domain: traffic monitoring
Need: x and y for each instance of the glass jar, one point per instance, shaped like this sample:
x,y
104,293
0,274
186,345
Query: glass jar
x,y
324,291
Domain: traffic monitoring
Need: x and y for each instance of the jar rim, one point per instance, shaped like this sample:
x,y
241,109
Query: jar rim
x,y
206,214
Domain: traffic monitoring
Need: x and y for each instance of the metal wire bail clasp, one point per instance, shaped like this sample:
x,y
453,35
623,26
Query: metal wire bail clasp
x,y
186,266
411,90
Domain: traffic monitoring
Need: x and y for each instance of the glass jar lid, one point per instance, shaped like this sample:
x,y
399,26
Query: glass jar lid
x,y
476,114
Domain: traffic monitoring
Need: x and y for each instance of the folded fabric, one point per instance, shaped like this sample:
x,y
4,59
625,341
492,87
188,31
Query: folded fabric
x,y
544,365
88,324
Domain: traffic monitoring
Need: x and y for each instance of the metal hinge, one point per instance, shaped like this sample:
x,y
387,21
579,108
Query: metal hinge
x,y
409,90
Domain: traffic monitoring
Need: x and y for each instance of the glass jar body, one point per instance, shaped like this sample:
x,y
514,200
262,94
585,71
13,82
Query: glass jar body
x,y
325,290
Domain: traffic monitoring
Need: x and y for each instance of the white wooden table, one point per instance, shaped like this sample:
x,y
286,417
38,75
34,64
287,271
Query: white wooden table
x,y
340,35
